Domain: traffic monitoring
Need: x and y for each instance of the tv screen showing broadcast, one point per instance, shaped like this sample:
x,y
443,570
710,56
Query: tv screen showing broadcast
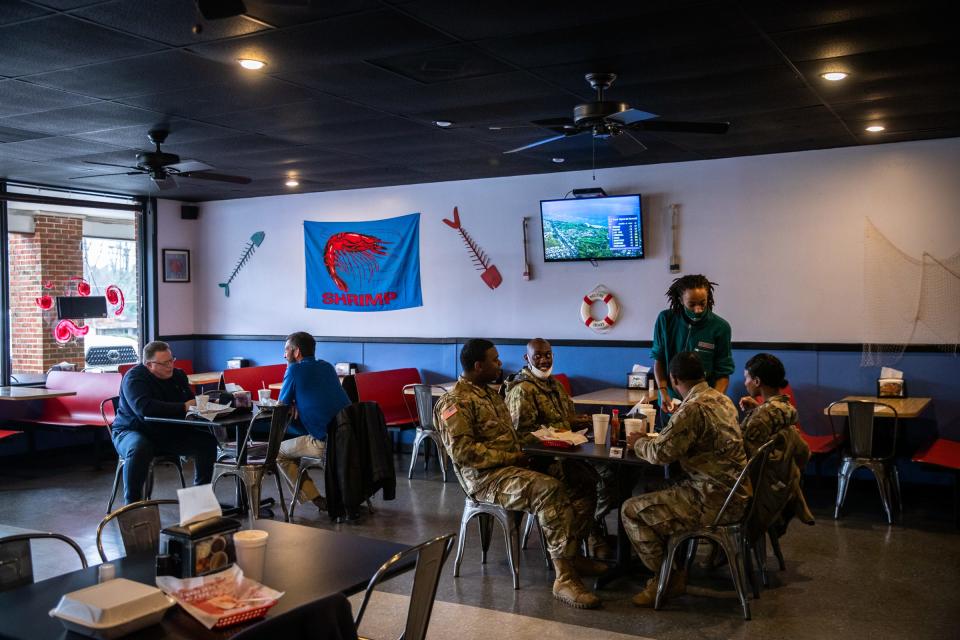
x,y
608,228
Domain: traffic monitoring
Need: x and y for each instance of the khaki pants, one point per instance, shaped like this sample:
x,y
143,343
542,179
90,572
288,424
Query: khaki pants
x,y
289,462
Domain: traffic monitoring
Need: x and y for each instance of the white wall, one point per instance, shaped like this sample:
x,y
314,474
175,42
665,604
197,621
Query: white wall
x,y
177,309
782,235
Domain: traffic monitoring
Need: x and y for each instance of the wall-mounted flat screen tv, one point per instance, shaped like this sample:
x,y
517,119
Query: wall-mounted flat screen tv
x,y
607,228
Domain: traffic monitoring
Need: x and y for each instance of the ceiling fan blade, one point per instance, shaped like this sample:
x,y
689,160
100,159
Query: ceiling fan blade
x,y
625,144
545,141
632,115
101,175
165,184
671,126
218,177
109,164
187,166
560,125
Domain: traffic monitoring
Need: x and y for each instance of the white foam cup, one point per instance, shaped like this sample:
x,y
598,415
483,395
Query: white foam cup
x,y
650,413
600,423
251,546
635,425
201,401
263,395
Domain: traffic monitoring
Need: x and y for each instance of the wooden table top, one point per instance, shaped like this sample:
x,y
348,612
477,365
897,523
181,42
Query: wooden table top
x,y
615,396
905,407
209,377
32,393
304,562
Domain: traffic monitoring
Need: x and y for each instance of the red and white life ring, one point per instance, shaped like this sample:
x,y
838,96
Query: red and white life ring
x,y
613,310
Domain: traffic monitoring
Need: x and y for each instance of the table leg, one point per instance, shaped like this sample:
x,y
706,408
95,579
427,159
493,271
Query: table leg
x,y
624,564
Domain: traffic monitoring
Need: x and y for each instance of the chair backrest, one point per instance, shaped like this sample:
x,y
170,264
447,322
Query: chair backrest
x,y
253,378
139,524
424,400
386,389
123,368
328,617
431,555
754,469
184,365
279,419
16,561
860,427
565,381
108,417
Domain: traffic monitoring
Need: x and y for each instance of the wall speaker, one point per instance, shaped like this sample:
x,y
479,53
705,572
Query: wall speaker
x,y
189,212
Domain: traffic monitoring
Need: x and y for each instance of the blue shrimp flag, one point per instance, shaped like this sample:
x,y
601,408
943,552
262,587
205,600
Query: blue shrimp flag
x,y
363,266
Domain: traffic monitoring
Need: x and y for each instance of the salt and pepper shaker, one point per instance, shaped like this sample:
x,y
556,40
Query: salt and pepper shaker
x,y
106,571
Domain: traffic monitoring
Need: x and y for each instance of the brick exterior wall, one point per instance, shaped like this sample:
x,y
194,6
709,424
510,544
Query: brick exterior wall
x,y
53,252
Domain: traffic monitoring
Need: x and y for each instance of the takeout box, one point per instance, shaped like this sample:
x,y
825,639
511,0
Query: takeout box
x,y
112,609
197,548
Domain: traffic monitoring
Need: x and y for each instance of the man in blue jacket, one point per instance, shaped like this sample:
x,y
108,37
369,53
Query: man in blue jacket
x,y
156,389
314,390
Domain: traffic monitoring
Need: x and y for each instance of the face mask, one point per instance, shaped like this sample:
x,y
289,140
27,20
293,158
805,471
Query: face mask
x,y
694,317
542,375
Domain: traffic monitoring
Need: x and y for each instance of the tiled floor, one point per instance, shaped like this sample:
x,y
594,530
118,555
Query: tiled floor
x,y
855,577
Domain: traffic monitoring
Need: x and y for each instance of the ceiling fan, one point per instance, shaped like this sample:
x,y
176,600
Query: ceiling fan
x,y
614,122
163,167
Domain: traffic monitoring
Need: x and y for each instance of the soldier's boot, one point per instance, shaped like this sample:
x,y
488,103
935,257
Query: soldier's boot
x,y
598,545
569,589
676,587
587,567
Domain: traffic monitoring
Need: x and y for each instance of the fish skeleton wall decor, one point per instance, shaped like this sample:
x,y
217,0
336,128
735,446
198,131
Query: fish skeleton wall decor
x,y
491,275
255,241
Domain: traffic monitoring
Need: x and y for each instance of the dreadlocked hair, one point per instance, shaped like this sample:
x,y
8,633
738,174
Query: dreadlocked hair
x,y
675,292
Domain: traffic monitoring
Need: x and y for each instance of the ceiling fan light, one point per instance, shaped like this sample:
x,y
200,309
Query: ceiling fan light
x,y
876,128
558,160
834,76
292,182
250,63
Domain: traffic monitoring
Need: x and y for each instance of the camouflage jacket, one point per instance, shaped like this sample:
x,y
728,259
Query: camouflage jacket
x,y
477,432
762,422
536,403
704,437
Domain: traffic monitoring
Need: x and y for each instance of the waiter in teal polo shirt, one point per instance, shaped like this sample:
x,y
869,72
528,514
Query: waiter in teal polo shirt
x,y
691,325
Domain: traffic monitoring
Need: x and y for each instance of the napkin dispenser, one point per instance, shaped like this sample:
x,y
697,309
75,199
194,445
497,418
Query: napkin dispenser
x,y
237,362
345,368
198,548
637,379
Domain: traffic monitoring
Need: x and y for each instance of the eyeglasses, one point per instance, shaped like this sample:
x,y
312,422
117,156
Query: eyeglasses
x,y
165,363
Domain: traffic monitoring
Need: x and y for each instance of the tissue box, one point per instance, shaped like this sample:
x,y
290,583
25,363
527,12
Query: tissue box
x,y
198,548
637,379
891,388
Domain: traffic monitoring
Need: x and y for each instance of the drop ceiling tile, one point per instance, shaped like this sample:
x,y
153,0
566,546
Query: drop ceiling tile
x,y
181,131
60,42
53,147
287,14
164,71
205,102
82,119
172,22
14,11
298,115
17,97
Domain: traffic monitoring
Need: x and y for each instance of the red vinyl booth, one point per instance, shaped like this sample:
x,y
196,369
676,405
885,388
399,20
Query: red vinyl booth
x,y
386,389
253,378
83,409
565,381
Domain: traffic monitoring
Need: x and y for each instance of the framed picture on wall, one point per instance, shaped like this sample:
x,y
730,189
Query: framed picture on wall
x,y
176,265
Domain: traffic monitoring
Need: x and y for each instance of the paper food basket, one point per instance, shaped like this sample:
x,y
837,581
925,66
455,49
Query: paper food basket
x,y
221,599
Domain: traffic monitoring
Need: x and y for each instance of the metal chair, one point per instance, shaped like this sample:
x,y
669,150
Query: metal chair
x,y
423,398
139,524
250,471
486,513
860,452
431,556
16,560
729,537
148,485
528,526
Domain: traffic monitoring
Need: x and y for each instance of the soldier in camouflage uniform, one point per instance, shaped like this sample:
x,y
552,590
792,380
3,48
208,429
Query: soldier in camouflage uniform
x,y
479,437
764,377
704,437
536,399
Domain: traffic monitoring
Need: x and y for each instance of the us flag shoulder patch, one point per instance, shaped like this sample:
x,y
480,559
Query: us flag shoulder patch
x,y
450,412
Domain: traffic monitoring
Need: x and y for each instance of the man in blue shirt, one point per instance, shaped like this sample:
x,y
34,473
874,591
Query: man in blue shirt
x,y
314,390
156,389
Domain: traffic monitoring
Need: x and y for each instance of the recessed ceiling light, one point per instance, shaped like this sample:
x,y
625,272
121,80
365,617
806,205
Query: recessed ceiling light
x,y
558,160
834,76
443,124
250,63
292,182
876,128
494,128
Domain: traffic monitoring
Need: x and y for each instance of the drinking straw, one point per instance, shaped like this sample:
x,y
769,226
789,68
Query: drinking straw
x,y
263,384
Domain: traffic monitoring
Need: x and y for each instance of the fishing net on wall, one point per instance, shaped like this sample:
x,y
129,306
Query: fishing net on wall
x,y
906,300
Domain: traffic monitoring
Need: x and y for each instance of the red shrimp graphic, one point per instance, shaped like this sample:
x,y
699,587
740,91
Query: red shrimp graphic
x,y
45,302
353,254
115,297
83,287
66,329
